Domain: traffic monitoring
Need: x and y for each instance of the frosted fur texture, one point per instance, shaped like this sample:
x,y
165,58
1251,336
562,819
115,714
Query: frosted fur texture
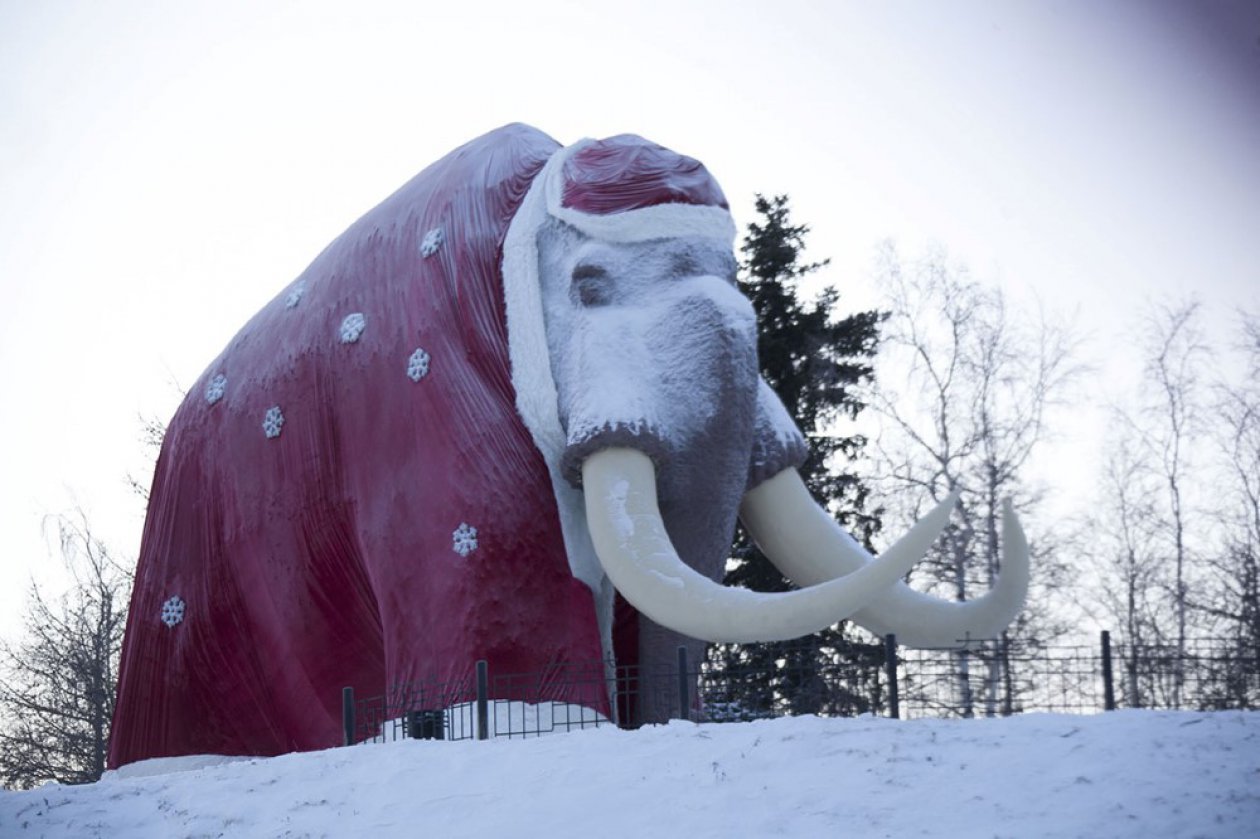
x,y
777,441
645,341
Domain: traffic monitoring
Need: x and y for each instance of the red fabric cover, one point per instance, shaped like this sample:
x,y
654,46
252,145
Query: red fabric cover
x,y
627,172
323,557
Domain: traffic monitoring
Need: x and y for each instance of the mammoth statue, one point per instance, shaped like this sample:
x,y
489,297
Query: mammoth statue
x,y
512,414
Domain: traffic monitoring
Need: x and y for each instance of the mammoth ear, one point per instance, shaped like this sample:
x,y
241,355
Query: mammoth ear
x,y
777,443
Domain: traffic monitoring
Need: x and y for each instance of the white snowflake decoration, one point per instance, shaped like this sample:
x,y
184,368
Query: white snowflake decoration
x,y
295,296
464,539
173,611
418,365
432,241
216,388
273,421
352,327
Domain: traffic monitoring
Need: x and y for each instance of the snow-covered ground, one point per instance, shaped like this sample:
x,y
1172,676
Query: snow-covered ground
x,y
1123,774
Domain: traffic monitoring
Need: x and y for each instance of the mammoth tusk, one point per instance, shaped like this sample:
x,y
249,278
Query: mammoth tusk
x,y
637,555
810,548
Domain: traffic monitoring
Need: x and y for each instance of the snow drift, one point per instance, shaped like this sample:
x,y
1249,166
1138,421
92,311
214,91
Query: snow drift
x,y
1123,774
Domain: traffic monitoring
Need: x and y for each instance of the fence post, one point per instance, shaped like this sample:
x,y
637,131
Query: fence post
x,y
483,700
1109,691
890,671
347,715
684,692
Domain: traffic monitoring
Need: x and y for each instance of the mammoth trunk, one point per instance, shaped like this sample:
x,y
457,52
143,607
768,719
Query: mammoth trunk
x,y
677,382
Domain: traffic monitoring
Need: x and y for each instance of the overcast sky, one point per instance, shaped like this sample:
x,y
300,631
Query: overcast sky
x,y
165,168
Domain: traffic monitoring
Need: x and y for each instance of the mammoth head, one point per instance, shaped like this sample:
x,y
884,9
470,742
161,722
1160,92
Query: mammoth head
x,y
651,346
634,361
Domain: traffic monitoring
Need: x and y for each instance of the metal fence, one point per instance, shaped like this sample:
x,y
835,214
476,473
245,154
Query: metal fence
x,y
985,679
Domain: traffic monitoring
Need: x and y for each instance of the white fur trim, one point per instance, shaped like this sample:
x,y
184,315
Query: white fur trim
x,y
663,221
536,399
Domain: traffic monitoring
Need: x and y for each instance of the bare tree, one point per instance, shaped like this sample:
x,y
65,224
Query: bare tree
x,y
1175,366
1163,426
1178,538
977,385
57,694
1129,560
1232,597
152,433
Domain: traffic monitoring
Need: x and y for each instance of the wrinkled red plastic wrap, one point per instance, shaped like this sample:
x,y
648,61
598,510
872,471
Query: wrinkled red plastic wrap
x,y
324,557
625,173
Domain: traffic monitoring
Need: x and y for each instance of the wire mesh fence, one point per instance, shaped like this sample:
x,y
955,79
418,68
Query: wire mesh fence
x,y
992,680
1205,674
741,684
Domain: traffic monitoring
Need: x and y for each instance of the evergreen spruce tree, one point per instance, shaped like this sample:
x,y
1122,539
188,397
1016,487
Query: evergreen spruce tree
x,y
814,362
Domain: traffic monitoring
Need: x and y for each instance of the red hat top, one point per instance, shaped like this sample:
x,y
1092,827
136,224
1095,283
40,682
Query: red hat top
x,y
627,172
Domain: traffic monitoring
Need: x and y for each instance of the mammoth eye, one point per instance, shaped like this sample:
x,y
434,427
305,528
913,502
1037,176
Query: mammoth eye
x,y
591,285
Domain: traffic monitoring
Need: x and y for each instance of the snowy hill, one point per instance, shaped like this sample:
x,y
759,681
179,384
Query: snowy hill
x,y
1123,774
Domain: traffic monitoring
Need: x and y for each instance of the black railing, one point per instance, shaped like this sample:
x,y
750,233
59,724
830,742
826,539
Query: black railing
x,y
740,684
